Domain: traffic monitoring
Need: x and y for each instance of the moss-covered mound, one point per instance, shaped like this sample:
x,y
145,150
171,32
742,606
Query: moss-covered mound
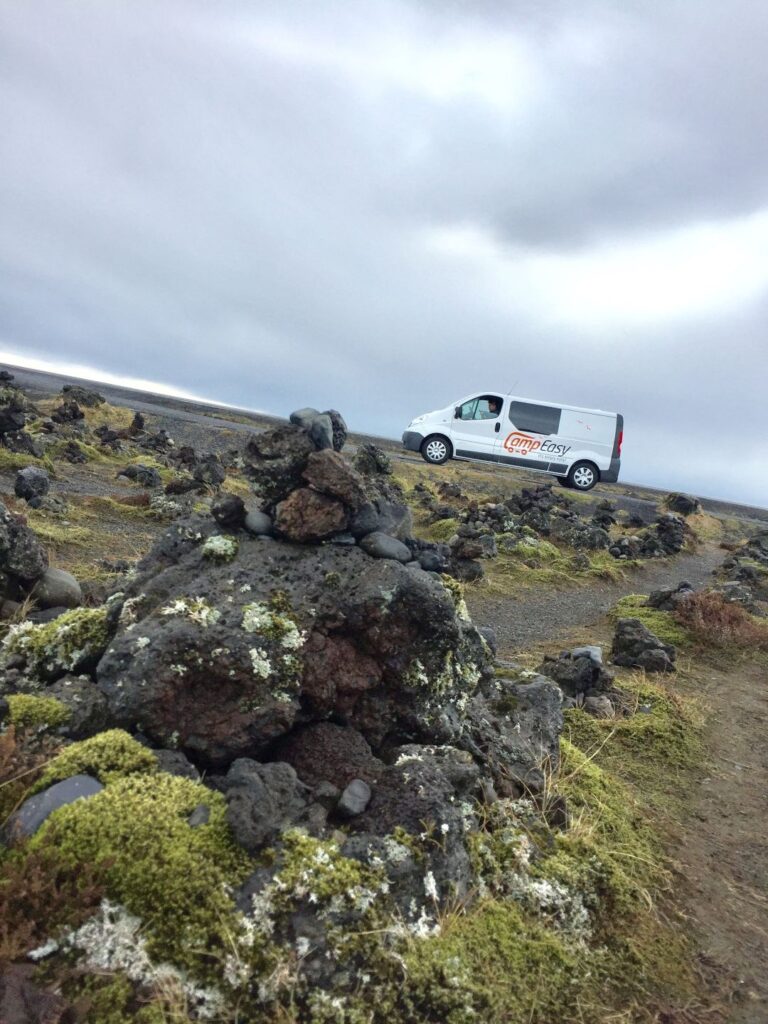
x,y
176,879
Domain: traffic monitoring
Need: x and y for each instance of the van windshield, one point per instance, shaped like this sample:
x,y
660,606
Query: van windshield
x,y
484,407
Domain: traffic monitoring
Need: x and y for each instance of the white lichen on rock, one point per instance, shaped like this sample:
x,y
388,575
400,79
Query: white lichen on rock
x,y
195,608
63,645
220,548
262,667
111,942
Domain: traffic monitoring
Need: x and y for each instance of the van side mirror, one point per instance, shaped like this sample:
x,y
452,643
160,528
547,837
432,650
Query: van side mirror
x,y
457,413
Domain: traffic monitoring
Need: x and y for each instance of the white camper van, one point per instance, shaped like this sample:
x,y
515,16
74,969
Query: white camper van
x,y
578,446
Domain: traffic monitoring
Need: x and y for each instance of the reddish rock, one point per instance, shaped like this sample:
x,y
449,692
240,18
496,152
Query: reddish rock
x,y
330,753
327,471
336,674
307,516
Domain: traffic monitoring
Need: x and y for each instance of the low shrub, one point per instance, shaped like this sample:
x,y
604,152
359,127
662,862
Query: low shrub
x,y
720,623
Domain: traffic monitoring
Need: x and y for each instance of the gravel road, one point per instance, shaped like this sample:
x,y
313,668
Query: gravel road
x,y
534,616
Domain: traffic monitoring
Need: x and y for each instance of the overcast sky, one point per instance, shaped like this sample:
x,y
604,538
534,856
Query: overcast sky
x,y
383,206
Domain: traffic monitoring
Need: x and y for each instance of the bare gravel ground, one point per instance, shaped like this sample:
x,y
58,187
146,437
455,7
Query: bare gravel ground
x,y
533,616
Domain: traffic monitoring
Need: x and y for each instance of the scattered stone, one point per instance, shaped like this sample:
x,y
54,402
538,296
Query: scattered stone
x,y
683,504
339,428
33,812
275,461
580,671
330,754
635,646
31,482
57,588
737,592
318,426
68,412
22,443
176,763
200,816
599,705
258,523
589,651
578,534
370,460
380,545
208,470
670,598
83,396
145,476
262,801
354,799
73,453
86,705
22,556
379,623
229,511
12,415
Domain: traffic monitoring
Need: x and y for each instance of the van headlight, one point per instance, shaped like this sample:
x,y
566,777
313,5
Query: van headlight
x,y
418,419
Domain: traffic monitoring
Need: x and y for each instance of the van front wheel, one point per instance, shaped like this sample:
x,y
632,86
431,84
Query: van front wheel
x,y
563,481
436,450
583,476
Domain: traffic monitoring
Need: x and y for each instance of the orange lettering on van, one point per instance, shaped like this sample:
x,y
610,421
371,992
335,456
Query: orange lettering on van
x,y
517,442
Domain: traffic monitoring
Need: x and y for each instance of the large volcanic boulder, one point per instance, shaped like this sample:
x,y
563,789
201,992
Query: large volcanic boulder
x,y
227,643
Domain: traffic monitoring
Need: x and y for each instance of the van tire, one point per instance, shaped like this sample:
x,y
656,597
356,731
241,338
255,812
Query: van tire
x,y
563,481
583,476
436,449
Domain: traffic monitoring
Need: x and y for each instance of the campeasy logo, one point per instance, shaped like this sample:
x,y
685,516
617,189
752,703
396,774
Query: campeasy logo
x,y
523,444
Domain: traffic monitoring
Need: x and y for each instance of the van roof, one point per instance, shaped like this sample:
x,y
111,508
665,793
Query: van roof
x,y
560,405
552,405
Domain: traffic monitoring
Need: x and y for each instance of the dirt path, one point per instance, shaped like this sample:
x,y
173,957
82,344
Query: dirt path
x,y
533,616
723,854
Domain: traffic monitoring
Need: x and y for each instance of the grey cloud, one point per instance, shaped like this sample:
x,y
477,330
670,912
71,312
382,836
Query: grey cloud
x,y
232,198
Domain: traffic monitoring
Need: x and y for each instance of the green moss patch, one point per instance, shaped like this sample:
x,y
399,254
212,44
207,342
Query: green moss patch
x,y
11,461
492,964
69,643
440,531
660,740
109,756
175,878
661,624
28,711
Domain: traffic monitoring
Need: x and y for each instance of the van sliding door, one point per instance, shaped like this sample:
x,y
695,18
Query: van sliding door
x,y
531,439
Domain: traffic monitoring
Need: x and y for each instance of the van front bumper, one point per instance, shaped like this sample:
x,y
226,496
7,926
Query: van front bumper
x,y
611,475
413,440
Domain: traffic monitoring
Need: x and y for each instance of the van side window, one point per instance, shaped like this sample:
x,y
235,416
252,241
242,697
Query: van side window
x,y
486,407
538,419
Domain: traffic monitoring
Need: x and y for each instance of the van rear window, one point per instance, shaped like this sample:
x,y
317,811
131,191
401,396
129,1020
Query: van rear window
x,y
538,419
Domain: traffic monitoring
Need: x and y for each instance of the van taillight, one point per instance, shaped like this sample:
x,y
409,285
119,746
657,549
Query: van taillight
x,y
621,439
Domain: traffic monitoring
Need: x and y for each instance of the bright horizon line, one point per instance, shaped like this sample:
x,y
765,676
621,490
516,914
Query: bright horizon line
x,y
96,376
